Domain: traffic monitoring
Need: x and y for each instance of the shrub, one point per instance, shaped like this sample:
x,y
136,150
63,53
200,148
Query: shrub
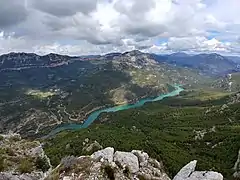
x,y
126,171
15,138
26,166
42,163
109,172
10,152
2,165
1,138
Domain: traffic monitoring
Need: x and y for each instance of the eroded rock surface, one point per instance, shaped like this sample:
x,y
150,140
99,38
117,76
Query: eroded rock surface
x,y
188,173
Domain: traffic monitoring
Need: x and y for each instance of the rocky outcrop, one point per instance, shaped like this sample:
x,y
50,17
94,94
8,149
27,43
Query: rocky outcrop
x,y
188,173
105,164
137,165
142,157
89,147
127,160
237,167
105,154
22,159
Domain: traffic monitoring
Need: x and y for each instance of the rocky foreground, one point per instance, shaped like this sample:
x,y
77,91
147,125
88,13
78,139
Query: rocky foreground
x,y
23,160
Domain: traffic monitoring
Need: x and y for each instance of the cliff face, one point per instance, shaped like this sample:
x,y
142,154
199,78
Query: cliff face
x,y
26,160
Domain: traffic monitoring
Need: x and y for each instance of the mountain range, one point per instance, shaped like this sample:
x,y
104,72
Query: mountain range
x,y
41,93
211,64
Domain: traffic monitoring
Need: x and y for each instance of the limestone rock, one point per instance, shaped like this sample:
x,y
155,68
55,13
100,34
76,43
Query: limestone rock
x,y
127,159
106,154
142,157
205,175
188,173
13,176
90,148
237,167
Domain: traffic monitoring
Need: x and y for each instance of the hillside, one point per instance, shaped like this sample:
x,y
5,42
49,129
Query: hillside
x,y
211,64
23,159
38,93
175,131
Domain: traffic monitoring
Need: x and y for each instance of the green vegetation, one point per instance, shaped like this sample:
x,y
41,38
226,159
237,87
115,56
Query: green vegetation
x,y
42,98
167,131
109,172
39,94
25,166
2,163
42,163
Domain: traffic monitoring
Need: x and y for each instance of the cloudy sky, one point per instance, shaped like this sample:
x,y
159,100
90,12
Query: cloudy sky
x,y
78,27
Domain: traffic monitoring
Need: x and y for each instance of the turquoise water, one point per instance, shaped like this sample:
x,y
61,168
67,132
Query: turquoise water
x,y
93,116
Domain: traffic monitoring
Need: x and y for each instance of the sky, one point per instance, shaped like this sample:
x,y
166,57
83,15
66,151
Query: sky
x,y
83,27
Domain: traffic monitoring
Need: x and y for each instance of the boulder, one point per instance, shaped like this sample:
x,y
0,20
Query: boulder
x,y
142,157
237,167
188,173
106,154
127,159
93,147
205,175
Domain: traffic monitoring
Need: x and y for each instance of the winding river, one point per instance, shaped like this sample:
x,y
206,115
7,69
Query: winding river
x,y
94,115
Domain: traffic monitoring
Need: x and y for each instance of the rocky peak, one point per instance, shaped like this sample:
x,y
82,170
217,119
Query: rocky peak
x,y
16,61
25,160
135,59
110,164
133,53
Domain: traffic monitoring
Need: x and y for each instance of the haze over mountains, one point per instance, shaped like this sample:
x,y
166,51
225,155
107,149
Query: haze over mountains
x,y
214,64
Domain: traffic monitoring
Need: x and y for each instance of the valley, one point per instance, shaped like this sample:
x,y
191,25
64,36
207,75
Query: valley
x,y
36,100
174,130
175,112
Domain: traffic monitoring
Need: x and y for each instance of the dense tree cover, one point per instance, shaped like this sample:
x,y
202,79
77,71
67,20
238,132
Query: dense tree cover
x,y
166,132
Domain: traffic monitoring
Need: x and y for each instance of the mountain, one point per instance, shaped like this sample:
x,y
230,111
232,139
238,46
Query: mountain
x,y
18,61
235,59
39,93
212,64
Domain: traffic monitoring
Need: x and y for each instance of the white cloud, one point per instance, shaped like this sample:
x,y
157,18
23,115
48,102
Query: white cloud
x,y
101,26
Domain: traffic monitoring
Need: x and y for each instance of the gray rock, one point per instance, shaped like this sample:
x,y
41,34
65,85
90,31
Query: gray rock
x,y
11,176
205,175
237,167
67,178
188,173
127,159
37,151
142,157
106,154
90,148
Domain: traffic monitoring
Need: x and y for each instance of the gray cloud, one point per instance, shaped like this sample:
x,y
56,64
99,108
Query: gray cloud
x,y
95,26
65,7
12,12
